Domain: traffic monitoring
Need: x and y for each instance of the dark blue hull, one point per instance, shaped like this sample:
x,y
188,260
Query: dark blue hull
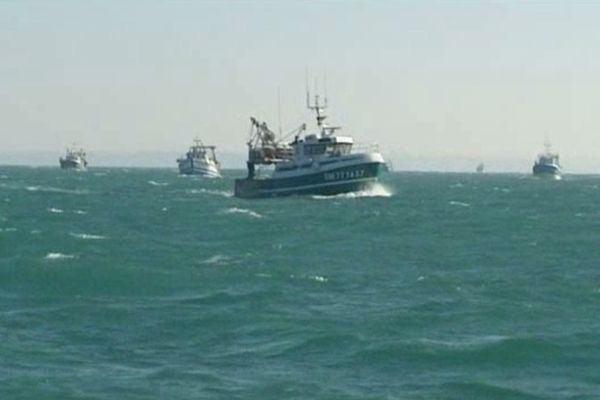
x,y
336,181
546,170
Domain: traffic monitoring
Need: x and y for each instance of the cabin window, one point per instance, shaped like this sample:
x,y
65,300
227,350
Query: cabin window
x,y
314,149
339,149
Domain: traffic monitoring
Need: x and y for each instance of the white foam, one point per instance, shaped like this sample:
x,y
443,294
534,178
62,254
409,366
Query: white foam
x,y
55,210
58,256
235,210
217,259
377,190
49,189
223,193
465,342
459,203
8,229
154,183
80,212
87,236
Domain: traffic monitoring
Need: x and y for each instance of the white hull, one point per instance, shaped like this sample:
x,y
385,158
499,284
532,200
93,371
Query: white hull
x,y
198,166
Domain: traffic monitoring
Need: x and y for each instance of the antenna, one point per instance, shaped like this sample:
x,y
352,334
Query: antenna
x,y
325,87
307,90
279,108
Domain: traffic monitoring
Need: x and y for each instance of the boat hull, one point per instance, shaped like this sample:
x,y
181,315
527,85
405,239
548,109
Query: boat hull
x,y
72,164
198,167
547,171
330,182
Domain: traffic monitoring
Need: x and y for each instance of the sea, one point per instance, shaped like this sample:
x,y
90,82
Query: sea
x,y
139,283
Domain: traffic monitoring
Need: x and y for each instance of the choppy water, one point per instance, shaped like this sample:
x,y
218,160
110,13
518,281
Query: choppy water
x,y
140,284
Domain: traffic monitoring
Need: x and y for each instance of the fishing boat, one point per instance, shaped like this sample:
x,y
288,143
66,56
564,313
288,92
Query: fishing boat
x,y
200,160
547,164
73,159
321,163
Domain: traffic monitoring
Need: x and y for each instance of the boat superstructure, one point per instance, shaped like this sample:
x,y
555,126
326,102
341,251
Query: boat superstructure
x,y
200,160
547,164
74,159
323,163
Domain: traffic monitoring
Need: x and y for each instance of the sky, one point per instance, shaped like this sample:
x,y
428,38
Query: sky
x,y
437,84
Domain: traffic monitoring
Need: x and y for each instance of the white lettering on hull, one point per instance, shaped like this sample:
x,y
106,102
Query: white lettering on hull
x,y
341,175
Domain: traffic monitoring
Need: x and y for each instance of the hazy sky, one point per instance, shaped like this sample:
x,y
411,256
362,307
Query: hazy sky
x,y
438,79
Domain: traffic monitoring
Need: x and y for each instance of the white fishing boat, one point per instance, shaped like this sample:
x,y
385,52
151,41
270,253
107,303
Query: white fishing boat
x,y
200,160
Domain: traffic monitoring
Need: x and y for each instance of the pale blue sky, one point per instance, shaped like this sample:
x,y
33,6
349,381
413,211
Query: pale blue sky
x,y
424,79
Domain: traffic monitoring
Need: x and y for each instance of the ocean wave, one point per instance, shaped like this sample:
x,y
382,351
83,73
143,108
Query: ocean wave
x,y
235,210
59,256
80,212
55,210
154,183
8,229
483,390
50,189
217,259
87,236
223,193
459,203
316,278
378,190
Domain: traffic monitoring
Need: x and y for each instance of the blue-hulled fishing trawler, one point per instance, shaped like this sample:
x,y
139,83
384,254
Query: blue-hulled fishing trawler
x,y
547,164
74,159
322,163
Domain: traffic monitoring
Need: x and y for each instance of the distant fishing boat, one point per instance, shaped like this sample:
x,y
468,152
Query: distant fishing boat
x,y
73,159
480,168
200,160
547,164
322,163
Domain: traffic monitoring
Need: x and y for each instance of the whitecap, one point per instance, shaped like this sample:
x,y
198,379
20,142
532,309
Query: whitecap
x,y
218,259
87,236
316,278
49,189
55,210
80,212
377,190
466,342
223,193
235,210
58,256
8,229
154,183
459,203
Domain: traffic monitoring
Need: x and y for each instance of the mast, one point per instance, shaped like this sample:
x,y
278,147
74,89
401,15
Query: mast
x,y
317,107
